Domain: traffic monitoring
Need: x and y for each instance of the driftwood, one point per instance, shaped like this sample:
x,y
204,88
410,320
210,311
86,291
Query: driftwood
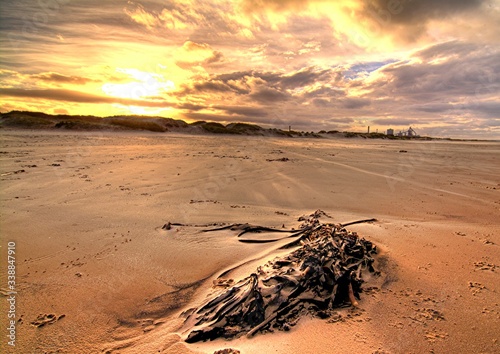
x,y
323,273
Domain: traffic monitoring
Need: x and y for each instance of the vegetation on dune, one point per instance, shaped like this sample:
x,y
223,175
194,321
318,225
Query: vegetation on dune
x,y
77,124
312,134
160,121
282,132
243,127
138,124
233,128
39,120
215,128
367,135
197,123
27,122
377,136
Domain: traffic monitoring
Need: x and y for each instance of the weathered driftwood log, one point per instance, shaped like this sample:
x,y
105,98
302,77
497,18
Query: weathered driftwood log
x,y
323,273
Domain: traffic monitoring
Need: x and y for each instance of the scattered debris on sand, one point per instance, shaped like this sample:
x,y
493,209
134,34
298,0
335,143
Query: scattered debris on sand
x,y
12,172
283,159
44,319
227,351
323,273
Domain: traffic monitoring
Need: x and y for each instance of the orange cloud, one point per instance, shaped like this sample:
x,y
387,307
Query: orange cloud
x,y
60,78
80,97
143,17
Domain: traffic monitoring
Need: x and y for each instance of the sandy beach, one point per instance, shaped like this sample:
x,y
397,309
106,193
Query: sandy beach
x,y
96,273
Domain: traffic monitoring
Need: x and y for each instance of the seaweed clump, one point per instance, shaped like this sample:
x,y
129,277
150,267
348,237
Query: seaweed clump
x,y
323,273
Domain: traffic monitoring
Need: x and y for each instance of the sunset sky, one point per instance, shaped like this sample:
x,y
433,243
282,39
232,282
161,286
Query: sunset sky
x,y
317,64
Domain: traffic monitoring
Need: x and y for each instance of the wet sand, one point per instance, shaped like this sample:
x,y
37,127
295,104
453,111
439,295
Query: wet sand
x,y
87,210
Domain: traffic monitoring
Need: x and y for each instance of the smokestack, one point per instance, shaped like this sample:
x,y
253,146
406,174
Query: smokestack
x,y
368,129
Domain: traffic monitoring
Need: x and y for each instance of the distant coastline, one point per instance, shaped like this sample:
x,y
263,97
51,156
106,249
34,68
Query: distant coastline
x,y
18,120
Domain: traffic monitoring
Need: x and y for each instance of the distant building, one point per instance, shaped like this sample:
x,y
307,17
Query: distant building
x,y
390,132
411,133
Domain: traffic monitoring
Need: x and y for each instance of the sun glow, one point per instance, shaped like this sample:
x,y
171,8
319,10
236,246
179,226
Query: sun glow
x,y
145,85
148,111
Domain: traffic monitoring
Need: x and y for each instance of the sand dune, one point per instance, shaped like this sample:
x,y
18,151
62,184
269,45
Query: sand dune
x,y
96,272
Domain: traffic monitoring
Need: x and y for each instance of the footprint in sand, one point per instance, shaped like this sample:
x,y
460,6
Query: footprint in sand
x,y
371,290
44,319
476,287
335,317
488,242
433,336
354,314
484,266
427,314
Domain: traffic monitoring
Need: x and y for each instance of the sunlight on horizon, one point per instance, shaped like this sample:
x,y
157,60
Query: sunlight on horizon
x,y
146,111
142,85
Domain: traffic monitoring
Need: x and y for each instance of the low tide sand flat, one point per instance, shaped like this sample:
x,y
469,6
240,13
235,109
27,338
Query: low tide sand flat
x,y
95,266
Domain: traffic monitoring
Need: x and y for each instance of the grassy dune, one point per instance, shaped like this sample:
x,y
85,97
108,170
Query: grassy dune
x,y
38,120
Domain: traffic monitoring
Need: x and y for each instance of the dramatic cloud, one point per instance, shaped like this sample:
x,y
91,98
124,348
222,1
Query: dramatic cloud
x,y
244,111
55,78
411,12
197,54
313,64
75,96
